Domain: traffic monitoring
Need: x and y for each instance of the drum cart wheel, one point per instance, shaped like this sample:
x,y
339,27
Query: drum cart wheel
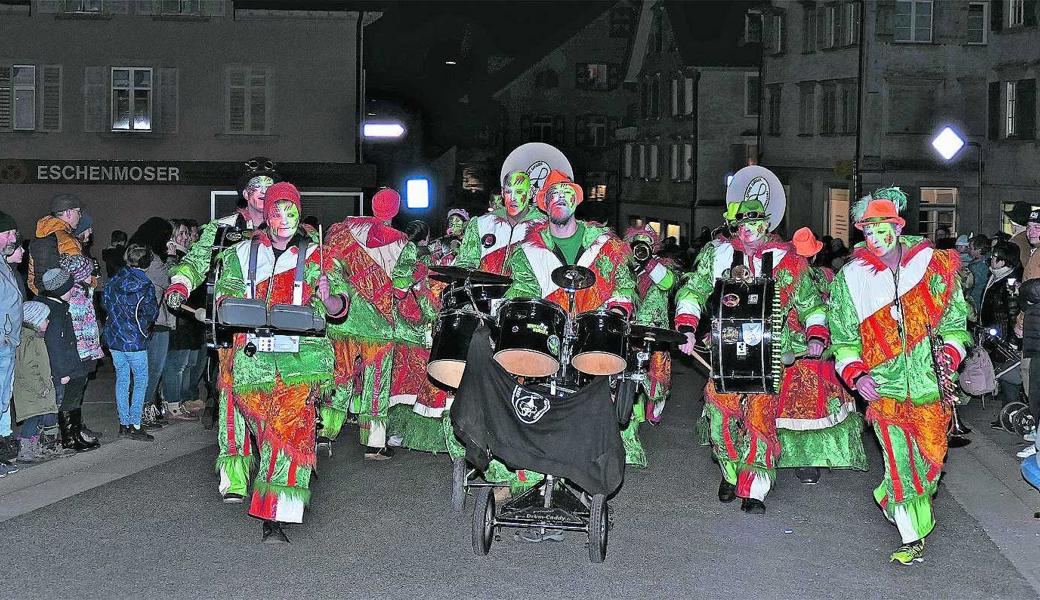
x,y
599,526
483,521
459,475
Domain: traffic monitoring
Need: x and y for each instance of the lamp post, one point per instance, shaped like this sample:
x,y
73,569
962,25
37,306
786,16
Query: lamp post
x,y
948,143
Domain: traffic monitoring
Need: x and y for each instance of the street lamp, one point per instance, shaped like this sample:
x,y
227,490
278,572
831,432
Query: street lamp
x,y
373,129
417,193
948,143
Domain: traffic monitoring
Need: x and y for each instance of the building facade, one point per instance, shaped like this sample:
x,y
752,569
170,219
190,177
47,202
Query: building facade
x,y
854,93
696,119
151,108
573,98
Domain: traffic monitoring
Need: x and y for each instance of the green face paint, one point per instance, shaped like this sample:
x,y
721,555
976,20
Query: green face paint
x,y
881,238
284,219
752,231
455,225
516,193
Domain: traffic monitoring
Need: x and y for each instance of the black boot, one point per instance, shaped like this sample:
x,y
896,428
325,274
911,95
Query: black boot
x,y
753,506
807,475
88,434
76,422
727,491
273,533
209,417
70,436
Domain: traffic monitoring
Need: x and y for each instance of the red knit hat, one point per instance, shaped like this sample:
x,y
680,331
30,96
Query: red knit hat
x,y
280,191
385,204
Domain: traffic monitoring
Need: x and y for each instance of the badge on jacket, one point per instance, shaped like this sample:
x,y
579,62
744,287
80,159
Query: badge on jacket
x,y
488,240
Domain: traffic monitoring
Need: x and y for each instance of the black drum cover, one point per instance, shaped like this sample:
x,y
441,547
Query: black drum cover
x,y
602,343
745,354
530,337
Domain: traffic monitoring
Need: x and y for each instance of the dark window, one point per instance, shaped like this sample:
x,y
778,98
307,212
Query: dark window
x,y
546,79
808,28
828,103
994,110
591,76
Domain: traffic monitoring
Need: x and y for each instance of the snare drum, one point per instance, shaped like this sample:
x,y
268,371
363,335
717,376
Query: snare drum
x,y
601,343
451,336
486,296
530,337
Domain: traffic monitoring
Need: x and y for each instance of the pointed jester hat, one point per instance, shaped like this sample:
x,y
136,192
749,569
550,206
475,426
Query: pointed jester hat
x,y
755,193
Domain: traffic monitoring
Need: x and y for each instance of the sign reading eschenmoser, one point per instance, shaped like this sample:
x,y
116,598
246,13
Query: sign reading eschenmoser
x,y
201,173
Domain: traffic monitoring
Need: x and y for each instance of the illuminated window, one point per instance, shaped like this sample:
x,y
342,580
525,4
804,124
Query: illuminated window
x,y
131,99
913,21
938,208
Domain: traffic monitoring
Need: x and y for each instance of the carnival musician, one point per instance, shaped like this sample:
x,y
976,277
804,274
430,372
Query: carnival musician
x,y
444,249
742,427
655,279
890,307
490,240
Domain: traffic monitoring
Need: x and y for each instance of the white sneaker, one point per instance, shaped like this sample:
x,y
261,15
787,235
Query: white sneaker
x,y
1030,437
395,440
1027,451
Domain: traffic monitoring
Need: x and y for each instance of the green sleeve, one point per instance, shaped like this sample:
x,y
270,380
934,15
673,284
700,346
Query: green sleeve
x,y
625,283
807,300
953,326
192,269
525,283
232,280
469,251
697,286
843,322
403,274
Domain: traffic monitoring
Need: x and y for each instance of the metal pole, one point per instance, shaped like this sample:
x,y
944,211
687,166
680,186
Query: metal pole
x,y
981,167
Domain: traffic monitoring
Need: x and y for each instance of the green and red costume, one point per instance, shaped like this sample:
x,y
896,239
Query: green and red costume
x,y
874,334
743,434
271,395
490,240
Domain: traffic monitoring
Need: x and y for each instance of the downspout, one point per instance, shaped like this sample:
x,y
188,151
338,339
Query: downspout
x,y
359,108
857,163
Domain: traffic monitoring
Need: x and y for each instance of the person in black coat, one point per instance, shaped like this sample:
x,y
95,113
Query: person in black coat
x,y
999,306
68,371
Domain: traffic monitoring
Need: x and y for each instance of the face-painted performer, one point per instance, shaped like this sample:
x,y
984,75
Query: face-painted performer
x,y
268,389
444,249
378,340
817,422
882,304
565,240
490,240
655,278
742,427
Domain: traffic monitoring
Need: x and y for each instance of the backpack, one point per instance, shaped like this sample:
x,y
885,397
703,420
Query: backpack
x,y
977,378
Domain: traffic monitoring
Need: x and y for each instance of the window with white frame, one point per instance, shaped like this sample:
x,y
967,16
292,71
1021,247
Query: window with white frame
x,y
248,91
596,186
592,76
829,26
596,131
181,7
808,28
131,99
913,21
82,6
850,23
542,128
1016,13
688,95
938,208
1010,103
687,162
23,87
777,45
628,160
978,18
674,161
653,161
751,93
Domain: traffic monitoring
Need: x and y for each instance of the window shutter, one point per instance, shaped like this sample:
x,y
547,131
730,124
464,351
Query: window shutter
x,y
236,99
996,15
1025,109
559,125
1030,12
51,115
613,76
213,8
167,100
95,99
644,93
612,126
5,98
886,13
581,137
259,83
994,110
525,127
821,27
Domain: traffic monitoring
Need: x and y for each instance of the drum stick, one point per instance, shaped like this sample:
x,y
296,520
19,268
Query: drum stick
x,y
701,360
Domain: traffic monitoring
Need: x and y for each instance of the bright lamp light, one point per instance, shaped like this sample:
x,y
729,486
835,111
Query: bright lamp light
x,y
417,193
383,130
948,143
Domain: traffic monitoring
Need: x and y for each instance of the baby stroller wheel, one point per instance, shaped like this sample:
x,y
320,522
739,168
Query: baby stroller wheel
x,y
1022,421
483,521
598,527
458,484
1005,415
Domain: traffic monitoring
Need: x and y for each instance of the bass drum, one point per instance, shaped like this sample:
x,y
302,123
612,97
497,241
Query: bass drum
x,y
530,336
601,343
451,336
485,295
745,338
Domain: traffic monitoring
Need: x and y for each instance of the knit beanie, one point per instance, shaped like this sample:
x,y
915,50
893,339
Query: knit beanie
x,y
280,192
85,222
35,313
80,267
7,222
57,282
386,204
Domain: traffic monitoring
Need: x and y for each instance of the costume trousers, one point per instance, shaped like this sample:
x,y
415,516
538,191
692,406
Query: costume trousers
x,y
742,431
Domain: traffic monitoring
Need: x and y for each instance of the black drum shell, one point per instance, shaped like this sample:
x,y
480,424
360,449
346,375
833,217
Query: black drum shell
x,y
747,369
456,296
452,333
604,335
531,328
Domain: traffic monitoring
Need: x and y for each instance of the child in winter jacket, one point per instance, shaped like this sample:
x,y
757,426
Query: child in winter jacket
x,y
68,371
129,300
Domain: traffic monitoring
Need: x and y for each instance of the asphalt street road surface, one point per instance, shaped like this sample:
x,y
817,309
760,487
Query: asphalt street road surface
x,y
387,530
